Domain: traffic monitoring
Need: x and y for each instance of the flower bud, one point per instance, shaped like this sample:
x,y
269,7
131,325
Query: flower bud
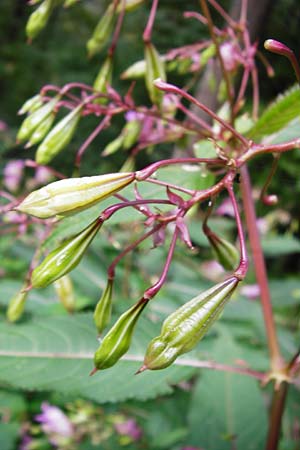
x,y
31,104
184,328
226,253
155,68
41,131
59,137
39,18
64,289
102,32
64,258
30,124
102,312
72,195
117,341
16,305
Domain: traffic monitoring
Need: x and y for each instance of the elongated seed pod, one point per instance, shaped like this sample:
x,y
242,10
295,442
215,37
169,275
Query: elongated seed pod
x,y
226,253
16,305
59,137
155,68
39,18
64,289
130,5
135,71
71,195
184,328
102,313
65,257
102,32
30,124
117,341
41,131
31,104
104,76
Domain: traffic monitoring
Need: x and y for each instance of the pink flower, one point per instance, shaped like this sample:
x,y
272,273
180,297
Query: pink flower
x,y
54,422
13,172
230,56
129,428
251,291
225,209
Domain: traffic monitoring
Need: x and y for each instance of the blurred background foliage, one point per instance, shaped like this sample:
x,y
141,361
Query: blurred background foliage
x,y
58,56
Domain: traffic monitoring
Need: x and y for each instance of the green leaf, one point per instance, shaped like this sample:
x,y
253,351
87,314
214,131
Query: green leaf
x,y
227,410
56,353
280,245
285,108
9,433
285,293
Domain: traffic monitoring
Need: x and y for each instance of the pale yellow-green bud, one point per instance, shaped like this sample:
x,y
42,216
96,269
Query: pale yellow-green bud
x,y
155,68
16,305
64,289
72,195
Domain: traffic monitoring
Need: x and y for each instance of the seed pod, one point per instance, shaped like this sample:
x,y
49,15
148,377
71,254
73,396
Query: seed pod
x,y
113,146
65,257
131,132
130,5
31,104
30,124
39,18
155,68
102,312
59,137
41,131
117,341
102,32
69,3
71,195
136,70
103,79
226,253
65,292
16,305
184,328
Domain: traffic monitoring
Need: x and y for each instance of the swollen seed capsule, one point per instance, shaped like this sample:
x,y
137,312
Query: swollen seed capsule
x,y
102,312
64,289
16,305
71,195
130,5
155,68
39,18
104,76
41,131
31,104
30,124
102,32
184,328
131,132
113,146
65,257
59,137
226,253
136,70
117,341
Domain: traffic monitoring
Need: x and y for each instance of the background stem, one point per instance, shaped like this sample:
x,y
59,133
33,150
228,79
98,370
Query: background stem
x,y
277,410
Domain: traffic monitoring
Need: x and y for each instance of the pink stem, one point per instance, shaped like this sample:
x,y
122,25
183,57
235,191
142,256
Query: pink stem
x,y
108,212
261,149
149,26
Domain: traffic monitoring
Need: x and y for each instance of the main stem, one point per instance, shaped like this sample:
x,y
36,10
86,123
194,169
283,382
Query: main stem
x,y
260,271
277,409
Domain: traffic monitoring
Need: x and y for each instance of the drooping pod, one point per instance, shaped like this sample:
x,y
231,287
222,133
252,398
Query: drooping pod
x,y
155,68
64,289
102,313
39,18
225,252
59,137
103,78
16,305
102,31
35,119
65,257
72,195
41,131
117,341
184,328
31,104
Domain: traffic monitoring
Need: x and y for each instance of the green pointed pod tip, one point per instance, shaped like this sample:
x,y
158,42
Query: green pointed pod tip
x,y
64,289
102,313
31,104
102,32
71,195
186,326
59,137
225,252
64,258
117,341
16,305
41,131
155,68
39,18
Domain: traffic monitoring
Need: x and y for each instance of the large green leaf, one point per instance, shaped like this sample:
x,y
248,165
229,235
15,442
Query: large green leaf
x,y
227,410
280,245
285,108
56,354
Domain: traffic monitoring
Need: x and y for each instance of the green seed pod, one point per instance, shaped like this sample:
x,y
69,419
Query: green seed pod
x,y
130,5
155,68
102,312
131,132
184,328
41,131
117,341
113,146
65,257
31,104
30,124
102,32
64,289
39,18
59,137
226,253
103,78
69,3
136,70
16,305
72,195
207,54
